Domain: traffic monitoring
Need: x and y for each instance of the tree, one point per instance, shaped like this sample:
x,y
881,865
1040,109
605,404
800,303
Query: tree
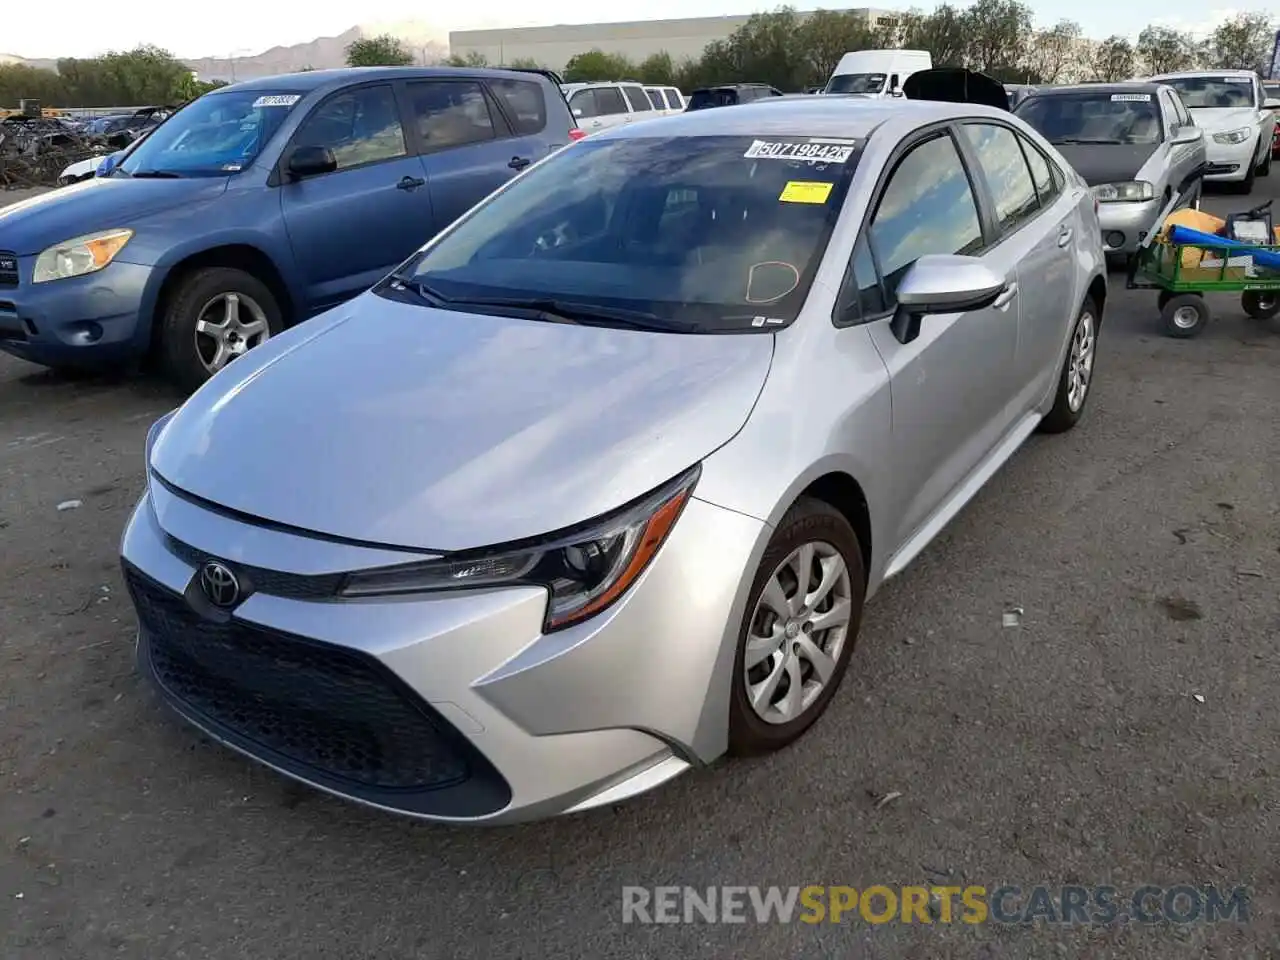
x,y
657,69
1054,51
1164,50
827,35
525,63
1242,43
768,48
1113,60
383,50
944,33
472,59
999,34
596,65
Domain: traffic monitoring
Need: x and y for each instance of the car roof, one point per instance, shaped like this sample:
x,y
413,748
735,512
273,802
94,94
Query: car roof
x,y
1200,73
806,116
1145,86
310,80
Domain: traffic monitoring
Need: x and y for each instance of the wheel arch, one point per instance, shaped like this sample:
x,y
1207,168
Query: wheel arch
x,y
841,491
1097,292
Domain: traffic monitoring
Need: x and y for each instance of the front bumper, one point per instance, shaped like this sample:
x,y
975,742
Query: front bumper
x,y
1125,225
84,321
1229,162
446,707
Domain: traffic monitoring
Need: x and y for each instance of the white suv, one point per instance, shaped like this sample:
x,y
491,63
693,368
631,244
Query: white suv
x,y
666,100
1229,106
599,106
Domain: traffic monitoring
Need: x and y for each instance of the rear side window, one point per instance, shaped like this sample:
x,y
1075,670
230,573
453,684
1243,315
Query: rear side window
x,y
927,207
720,97
583,104
1047,186
524,104
673,100
1007,173
639,99
655,97
609,101
451,113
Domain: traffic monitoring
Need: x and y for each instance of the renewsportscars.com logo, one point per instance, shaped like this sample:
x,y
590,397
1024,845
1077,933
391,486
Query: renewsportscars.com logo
x,y
1007,904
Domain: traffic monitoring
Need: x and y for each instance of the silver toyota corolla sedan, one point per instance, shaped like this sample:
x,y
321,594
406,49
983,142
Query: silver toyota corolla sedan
x,y
593,489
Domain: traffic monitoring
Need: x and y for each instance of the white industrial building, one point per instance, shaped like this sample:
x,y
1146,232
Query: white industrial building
x,y
552,46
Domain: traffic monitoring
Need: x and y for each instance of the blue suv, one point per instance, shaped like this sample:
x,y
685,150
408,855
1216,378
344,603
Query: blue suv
x,y
259,205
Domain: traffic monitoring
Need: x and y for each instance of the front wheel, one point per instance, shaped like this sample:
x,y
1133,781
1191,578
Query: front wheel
x,y
1076,376
1261,304
216,315
1185,316
802,621
1264,168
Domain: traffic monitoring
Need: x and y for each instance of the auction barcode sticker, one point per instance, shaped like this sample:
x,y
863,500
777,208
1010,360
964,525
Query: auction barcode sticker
x,y
279,100
809,151
1131,97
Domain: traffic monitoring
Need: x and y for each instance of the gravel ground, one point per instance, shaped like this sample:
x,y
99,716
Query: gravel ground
x,y
1122,734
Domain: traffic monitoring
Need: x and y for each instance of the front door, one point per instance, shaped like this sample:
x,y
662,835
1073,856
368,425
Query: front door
x,y
350,227
950,386
599,108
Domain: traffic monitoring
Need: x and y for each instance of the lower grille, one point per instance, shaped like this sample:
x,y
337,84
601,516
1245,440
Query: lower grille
x,y
331,716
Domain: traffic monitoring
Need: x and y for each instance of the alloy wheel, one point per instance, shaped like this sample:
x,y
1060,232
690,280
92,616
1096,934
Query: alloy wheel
x,y
1080,363
224,332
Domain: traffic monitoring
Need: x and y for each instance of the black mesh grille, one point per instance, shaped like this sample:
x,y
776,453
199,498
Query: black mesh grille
x,y
260,580
8,268
328,714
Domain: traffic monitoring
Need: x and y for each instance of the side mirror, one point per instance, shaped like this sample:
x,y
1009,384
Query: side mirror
x,y
1271,103
942,283
108,164
311,162
1187,133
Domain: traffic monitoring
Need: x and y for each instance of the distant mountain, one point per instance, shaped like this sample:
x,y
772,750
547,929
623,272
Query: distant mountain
x,y
426,43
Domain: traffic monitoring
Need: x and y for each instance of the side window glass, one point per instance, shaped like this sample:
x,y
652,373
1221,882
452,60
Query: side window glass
x,y
450,113
524,103
927,207
609,101
639,99
1046,189
673,100
1006,171
655,97
362,126
583,104
864,287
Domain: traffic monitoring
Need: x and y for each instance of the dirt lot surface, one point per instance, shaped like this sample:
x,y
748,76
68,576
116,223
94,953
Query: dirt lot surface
x,y
1123,733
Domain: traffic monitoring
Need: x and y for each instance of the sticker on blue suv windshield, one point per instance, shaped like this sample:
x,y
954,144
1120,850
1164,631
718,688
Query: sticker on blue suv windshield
x,y
809,151
279,100
1131,98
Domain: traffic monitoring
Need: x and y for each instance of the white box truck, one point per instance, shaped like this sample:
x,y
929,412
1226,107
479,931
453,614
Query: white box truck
x,y
877,73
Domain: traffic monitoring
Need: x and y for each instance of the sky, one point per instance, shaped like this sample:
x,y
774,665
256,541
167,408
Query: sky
x,y
247,27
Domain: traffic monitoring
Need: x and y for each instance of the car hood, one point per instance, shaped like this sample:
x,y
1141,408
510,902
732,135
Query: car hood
x,y
1214,119
1106,162
406,426
102,203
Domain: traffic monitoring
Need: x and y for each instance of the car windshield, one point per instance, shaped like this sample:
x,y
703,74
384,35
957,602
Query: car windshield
x,y
856,83
1218,93
719,97
219,134
697,234
1272,90
1093,117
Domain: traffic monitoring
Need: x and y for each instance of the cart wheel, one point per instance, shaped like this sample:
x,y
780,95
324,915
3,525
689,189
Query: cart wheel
x,y
1185,315
1261,304
1164,297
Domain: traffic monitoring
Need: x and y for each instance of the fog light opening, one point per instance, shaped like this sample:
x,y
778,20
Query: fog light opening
x,y
1115,239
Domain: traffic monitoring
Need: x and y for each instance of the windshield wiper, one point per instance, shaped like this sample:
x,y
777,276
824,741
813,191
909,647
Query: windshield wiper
x,y
1084,140
155,175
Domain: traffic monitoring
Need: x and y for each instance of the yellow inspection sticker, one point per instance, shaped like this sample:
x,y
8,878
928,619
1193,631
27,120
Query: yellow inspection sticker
x,y
803,191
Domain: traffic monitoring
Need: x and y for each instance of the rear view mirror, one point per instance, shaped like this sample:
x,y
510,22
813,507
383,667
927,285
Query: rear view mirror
x,y
942,283
107,165
311,162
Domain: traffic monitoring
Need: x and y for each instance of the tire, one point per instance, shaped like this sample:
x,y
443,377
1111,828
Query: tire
x,y
1164,297
1261,304
1246,185
1185,316
1264,168
204,293
1072,394
819,525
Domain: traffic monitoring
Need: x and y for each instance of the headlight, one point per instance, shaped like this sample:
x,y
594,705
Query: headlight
x,y
584,570
79,256
1130,190
1233,136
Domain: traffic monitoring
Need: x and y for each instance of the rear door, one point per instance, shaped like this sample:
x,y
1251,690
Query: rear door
x,y
641,107
951,385
599,108
466,147
1035,223
349,228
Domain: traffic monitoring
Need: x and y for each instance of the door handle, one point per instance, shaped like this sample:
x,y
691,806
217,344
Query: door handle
x,y
1064,236
1006,297
519,163
410,183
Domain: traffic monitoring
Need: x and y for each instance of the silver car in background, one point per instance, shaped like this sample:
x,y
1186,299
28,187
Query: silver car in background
x,y
1135,144
592,490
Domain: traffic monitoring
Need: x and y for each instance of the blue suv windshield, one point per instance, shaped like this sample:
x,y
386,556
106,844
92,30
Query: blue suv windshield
x,y
219,134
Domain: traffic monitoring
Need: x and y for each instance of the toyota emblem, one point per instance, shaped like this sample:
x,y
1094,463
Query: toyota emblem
x,y
219,584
